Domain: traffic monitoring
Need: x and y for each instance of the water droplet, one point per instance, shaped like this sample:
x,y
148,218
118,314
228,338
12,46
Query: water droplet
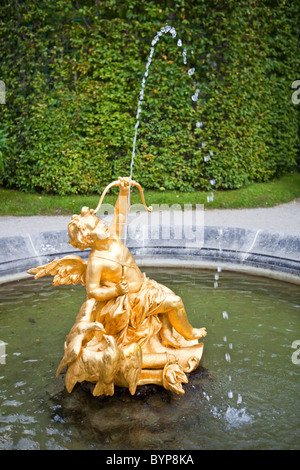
x,y
239,400
206,158
215,284
225,338
230,345
216,277
199,124
230,394
203,145
179,43
225,315
173,32
227,357
212,182
195,96
191,71
219,269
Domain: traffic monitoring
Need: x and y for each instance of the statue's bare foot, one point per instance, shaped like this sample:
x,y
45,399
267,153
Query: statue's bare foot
x,y
197,333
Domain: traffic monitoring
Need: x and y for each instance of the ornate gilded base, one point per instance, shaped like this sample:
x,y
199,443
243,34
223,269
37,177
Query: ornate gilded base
x,y
166,366
159,369
92,356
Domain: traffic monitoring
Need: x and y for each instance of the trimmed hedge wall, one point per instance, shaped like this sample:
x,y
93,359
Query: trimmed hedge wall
x,y
73,73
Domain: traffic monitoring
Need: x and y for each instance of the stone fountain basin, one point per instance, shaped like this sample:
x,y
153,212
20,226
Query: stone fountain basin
x,y
259,252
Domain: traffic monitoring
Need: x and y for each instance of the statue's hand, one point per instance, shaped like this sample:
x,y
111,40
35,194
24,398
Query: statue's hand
x,y
124,183
122,287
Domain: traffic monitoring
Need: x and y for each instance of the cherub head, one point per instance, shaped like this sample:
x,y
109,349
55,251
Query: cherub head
x,y
85,229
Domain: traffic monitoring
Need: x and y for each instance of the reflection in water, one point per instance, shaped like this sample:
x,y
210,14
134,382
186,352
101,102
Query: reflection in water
x,y
243,395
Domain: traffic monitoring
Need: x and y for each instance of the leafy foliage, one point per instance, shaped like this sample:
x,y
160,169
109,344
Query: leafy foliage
x,y
73,73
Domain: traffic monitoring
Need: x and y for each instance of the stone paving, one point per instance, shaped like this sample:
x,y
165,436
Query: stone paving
x,y
282,218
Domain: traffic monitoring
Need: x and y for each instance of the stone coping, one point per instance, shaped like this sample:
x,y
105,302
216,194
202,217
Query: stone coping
x,y
258,252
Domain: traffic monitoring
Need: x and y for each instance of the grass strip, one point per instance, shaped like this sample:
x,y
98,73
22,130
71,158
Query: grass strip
x,y
279,191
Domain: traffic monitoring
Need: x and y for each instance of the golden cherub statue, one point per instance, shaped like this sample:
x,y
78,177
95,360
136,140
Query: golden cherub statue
x,y
131,330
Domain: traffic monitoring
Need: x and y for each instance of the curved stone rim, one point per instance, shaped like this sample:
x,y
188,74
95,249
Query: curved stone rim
x,y
259,252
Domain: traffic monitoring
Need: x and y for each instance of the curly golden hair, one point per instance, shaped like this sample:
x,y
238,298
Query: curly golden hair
x,y
79,234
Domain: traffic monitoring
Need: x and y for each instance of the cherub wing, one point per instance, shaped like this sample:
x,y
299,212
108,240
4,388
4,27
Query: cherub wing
x,y
68,270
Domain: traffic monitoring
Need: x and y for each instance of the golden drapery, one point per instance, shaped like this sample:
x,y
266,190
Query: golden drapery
x,y
133,318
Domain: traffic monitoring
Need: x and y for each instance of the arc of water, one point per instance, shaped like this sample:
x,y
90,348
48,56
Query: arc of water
x,y
164,30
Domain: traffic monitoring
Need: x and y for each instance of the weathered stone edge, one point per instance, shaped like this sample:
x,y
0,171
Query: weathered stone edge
x,y
261,252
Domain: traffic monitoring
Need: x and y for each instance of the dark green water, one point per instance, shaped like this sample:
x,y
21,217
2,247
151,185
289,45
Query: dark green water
x,y
245,395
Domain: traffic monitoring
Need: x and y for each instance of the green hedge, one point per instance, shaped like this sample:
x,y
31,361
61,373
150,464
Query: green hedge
x,y
73,73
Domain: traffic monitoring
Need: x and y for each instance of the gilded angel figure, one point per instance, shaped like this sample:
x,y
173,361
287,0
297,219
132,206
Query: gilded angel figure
x,y
131,328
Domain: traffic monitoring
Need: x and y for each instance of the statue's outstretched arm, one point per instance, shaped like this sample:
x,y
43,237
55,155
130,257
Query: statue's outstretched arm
x,y
121,207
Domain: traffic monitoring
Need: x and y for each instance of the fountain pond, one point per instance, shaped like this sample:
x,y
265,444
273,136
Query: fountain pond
x,y
244,395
